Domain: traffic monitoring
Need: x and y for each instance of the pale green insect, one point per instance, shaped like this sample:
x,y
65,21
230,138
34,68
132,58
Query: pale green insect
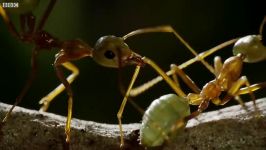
x,y
251,46
163,120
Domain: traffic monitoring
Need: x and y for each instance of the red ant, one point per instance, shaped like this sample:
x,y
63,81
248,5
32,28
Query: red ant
x,y
33,33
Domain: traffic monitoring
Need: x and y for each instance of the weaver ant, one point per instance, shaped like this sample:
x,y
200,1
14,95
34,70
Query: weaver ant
x,y
107,43
168,115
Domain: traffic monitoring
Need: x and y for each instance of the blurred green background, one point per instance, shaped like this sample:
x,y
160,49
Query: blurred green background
x,y
203,24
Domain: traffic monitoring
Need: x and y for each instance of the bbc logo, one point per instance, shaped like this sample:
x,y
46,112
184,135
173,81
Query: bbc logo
x,y
10,5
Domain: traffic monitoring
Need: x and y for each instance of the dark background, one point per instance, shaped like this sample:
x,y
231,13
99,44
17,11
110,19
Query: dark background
x,y
203,24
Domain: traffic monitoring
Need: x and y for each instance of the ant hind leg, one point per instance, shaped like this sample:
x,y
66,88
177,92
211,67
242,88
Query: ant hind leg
x,y
28,84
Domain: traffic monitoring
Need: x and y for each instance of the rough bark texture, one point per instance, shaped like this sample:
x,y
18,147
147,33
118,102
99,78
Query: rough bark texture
x,y
229,128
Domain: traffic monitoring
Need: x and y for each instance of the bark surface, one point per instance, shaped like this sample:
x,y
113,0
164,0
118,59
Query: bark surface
x,y
228,128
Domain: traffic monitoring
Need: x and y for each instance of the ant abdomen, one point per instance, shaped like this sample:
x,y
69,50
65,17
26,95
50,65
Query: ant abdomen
x,y
163,119
251,47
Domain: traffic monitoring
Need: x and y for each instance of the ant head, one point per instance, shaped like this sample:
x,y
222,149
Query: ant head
x,y
24,6
112,51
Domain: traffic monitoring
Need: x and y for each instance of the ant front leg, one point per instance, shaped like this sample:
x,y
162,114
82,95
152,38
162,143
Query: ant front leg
x,y
122,91
202,106
189,82
27,23
45,101
168,80
169,29
46,14
27,85
28,20
262,26
144,87
123,104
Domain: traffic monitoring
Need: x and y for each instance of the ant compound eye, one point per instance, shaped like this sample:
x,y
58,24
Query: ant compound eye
x,y
110,50
109,54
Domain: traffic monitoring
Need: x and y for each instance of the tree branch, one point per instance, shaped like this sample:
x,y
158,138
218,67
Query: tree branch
x,y
228,128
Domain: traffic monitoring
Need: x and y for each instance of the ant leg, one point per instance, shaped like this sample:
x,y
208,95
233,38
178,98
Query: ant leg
x,y
144,87
250,89
122,91
9,24
181,122
27,23
46,14
27,85
168,80
193,98
123,104
26,20
202,106
191,84
22,19
45,101
206,53
65,83
241,102
262,38
253,87
169,29
136,106
218,64
174,77
233,91
262,25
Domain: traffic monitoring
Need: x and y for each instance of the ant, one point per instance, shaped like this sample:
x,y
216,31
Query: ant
x,y
116,46
168,115
33,33
227,75
109,51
